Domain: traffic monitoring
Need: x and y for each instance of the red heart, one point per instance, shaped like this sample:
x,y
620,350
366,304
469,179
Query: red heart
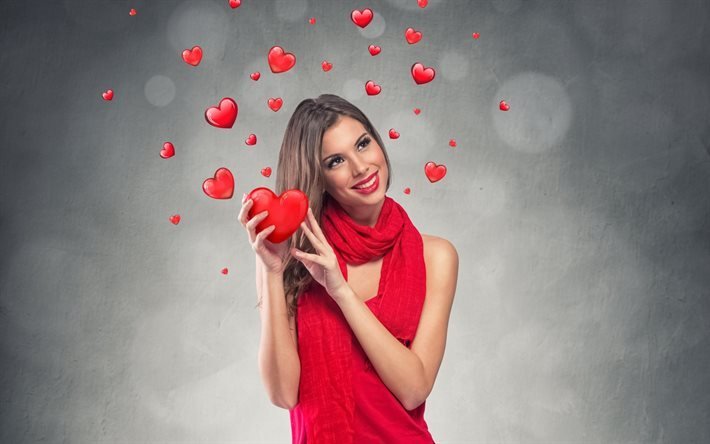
x,y
393,134
503,106
221,186
280,61
175,219
286,212
266,172
421,74
192,57
255,75
417,111
434,172
225,271
372,88
132,12
168,150
251,140
422,3
312,20
361,18
475,35
407,190
275,104
326,66
374,50
452,143
224,115
108,95
412,36
235,3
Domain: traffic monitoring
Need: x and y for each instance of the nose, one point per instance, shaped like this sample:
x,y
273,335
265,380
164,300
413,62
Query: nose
x,y
359,168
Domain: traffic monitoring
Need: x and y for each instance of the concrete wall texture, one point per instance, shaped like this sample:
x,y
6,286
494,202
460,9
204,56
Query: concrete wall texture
x,y
581,215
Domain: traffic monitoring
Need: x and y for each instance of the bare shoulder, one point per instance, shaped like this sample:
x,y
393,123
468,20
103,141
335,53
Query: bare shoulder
x,y
439,248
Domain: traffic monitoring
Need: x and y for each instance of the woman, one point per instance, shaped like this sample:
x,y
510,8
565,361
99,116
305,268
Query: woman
x,y
355,306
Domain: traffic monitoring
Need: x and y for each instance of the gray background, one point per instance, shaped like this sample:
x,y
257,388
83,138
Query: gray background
x,y
581,216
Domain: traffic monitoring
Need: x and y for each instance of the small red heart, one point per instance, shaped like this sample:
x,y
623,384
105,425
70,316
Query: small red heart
x,y
175,219
279,60
361,18
266,172
434,172
374,50
503,106
225,271
235,3
393,134
251,140
193,56
168,150
421,74
417,111
286,212
108,95
422,3
255,75
372,88
452,143
407,190
327,66
132,12
475,35
312,20
412,36
275,104
223,115
221,186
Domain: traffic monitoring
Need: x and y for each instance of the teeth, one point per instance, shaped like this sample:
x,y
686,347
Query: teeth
x,y
368,184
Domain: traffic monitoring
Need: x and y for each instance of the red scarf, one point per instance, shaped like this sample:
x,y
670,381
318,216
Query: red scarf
x,y
324,336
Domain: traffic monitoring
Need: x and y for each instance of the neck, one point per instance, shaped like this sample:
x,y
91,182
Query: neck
x,y
364,214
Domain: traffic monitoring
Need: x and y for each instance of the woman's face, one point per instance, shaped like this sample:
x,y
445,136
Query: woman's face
x,y
350,155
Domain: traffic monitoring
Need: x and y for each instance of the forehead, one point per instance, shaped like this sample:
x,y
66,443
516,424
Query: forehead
x,y
342,135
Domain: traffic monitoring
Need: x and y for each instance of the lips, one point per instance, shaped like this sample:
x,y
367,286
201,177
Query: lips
x,y
364,181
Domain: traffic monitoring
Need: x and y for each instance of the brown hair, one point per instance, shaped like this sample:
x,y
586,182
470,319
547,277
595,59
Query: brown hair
x,y
300,167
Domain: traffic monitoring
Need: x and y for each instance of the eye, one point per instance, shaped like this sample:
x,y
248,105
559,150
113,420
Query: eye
x,y
363,143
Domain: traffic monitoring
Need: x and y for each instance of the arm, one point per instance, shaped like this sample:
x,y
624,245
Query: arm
x,y
410,373
279,364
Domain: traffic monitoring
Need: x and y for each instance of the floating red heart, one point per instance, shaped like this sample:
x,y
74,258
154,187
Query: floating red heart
x,y
175,219
374,49
225,271
132,12
221,186
312,20
192,56
235,3
417,111
412,36
434,172
255,75
503,106
279,60
407,190
275,104
422,3
372,88
393,134
361,18
421,74
266,172
475,35
108,94
327,66
251,140
452,143
223,115
168,150
286,212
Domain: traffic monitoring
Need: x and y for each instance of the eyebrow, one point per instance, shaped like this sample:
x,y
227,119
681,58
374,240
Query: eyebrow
x,y
357,142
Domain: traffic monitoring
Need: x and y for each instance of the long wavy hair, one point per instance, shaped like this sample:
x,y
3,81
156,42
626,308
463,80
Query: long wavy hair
x,y
300,167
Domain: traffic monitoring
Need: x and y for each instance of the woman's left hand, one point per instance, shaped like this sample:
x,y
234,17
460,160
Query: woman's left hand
x,y
322,266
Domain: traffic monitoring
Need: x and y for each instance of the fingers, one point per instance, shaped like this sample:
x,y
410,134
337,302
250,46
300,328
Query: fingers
x,y
314,224
317,244
259,241
253,222
308,257
246,205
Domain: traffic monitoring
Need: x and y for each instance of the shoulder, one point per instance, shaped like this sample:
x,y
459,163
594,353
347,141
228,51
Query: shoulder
x,y
439,249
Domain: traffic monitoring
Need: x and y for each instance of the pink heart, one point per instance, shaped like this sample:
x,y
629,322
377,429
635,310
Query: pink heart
x,y
374,50
327,66
393,134
192,56
168,150
279,60
224,115
412,36
108,95
175,219
251,140
361,18
275,104
372,88
503,106
434,172
421,74
266,172
221,186
255,75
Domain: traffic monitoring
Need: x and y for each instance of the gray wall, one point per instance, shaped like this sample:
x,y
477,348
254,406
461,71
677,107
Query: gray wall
x,y
581,216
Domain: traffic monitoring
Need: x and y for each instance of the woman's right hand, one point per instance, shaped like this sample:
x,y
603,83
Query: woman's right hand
x,y
272,255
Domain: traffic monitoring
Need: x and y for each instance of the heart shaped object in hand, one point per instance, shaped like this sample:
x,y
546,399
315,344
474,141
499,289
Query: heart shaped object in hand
x,y
286,211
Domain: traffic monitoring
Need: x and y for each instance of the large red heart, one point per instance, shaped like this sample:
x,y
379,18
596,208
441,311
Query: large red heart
x,y
434,172
412,36
224,115
286,212
280,61
421,74
221,186
361,18
192,56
